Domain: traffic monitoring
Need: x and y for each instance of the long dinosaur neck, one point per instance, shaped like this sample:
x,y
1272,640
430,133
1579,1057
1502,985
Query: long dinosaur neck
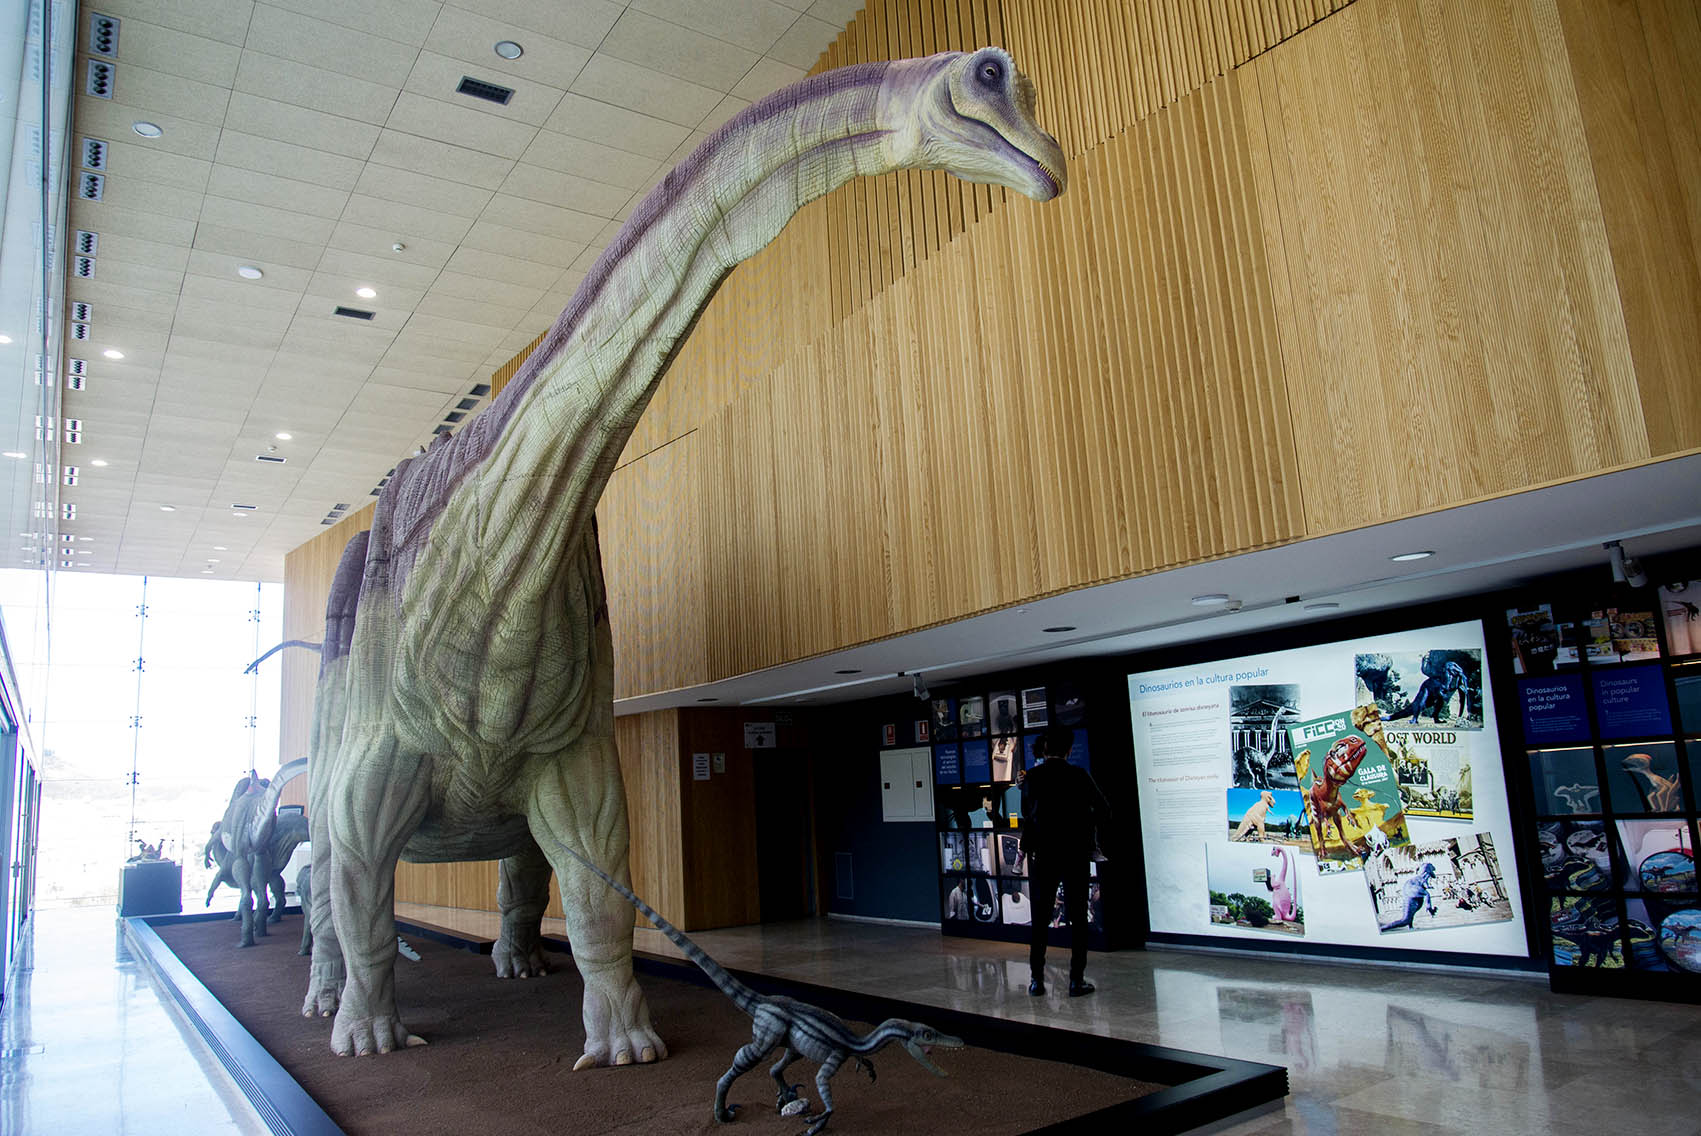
x,y
555,434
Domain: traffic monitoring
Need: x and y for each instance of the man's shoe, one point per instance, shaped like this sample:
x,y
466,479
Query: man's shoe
x,y
1036,988
1081,987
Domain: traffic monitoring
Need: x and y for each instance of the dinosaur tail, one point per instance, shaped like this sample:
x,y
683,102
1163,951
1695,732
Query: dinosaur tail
x,y
745,998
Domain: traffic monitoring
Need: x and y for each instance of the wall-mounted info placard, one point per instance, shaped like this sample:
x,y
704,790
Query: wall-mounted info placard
x,y
1350,793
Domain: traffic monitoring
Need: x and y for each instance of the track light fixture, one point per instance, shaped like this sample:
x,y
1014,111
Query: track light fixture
x,y
1625,570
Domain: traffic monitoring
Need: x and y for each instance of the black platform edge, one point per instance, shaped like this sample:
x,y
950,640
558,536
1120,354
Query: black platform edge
x,y
1203,1087
279,1100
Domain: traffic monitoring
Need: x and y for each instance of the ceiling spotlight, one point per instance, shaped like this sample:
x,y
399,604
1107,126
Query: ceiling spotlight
x,y
146,129
508,49
168,508
398,247
14,454
1059,629
100,462
113,353
1322,605
919,687
1405,556
1210,599
249,272
283,435
5,339
366,293
220,548
1625,570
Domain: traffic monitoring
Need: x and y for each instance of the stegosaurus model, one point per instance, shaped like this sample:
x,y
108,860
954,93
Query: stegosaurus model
x,y
795,1028
464,708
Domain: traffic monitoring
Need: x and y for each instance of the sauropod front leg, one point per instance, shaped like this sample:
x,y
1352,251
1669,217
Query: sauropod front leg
x,y
376,804
578,802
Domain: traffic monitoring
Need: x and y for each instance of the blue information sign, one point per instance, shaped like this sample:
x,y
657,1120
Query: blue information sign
x,y
1631,703
977,761
947,765
1554,711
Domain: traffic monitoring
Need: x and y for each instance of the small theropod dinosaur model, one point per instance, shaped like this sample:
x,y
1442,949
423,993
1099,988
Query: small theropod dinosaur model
x,y
795,1028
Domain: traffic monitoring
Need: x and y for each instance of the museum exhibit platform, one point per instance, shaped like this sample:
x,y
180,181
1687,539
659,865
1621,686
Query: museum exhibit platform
x,y
507,1048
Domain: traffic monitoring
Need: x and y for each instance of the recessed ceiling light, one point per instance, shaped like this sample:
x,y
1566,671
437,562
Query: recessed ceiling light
x,y
168,508
249,272
1057,630
100,462
1405,556
146,129
283,435
212,560
366,293
508,49
1210,599
220,548
1322,605
14,454
113,353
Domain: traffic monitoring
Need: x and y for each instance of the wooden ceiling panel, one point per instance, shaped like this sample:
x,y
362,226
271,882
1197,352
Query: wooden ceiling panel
x,y
302,85
644,90
472,168
270,118
671,49
411,187
587,159
487,236
460,125
468,36
581,116
285,159
438,77
755,25
330,40
267,220
582,22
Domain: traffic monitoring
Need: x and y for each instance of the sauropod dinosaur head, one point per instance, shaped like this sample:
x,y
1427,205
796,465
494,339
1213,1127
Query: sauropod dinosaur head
x,y
922,1038
972,114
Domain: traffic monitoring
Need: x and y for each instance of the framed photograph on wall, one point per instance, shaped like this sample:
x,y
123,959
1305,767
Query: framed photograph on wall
x,y
1034,715
1004,713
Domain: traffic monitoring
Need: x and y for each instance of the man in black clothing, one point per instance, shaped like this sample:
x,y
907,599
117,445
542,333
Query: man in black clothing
x,y
1062,809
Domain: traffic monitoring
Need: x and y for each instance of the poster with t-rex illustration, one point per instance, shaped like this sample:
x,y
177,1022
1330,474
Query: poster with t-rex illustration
x,y
1352,798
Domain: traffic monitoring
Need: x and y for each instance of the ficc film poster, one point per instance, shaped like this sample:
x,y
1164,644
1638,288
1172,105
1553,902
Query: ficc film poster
x,y
1433,768
1352,797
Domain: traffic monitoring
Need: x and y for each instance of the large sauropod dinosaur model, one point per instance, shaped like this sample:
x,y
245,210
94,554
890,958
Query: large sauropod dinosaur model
x,y
796,1029
249,825
464,708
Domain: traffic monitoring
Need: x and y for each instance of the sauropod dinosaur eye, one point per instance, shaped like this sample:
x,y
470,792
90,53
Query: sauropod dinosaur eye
x,y
991,73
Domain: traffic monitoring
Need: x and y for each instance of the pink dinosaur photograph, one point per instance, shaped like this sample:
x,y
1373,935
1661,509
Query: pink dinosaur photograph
x,y
1254,887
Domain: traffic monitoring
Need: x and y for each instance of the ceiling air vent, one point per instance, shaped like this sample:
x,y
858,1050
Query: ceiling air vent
x,y
68,512
103,34
91,187
87,243
94,154
83,266
466,404
101,77
479,89
75,382
353,313
82,311
339,506
273,458
454,416
245,508
79,331
480,390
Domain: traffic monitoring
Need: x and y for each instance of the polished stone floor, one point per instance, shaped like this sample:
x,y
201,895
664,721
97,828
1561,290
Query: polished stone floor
x,y
91,1047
